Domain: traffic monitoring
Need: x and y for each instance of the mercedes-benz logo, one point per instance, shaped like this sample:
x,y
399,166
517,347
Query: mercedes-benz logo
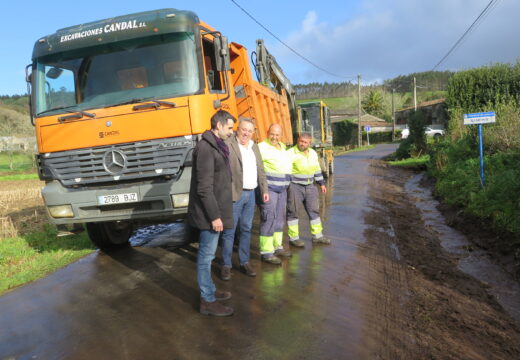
x,y
114,161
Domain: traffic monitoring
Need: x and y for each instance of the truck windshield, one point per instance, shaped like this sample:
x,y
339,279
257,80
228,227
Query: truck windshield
x,y
106,75
312,122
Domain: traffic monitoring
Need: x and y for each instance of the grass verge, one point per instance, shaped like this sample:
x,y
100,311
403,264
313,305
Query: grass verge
x,y
340,150
18,177
34,255
419,163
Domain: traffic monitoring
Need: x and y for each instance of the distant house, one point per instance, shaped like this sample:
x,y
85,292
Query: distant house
x,y
435,110
376,124
346,132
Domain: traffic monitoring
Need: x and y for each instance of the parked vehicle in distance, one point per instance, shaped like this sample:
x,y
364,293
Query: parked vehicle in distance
x,y
435,133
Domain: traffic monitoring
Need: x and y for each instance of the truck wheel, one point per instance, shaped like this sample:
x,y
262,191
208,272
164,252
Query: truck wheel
x,y
110,234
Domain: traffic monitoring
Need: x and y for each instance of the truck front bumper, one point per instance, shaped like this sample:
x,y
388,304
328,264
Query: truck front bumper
x,y
154,201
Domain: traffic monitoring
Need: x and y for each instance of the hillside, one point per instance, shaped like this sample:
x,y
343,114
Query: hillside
x,y
13,122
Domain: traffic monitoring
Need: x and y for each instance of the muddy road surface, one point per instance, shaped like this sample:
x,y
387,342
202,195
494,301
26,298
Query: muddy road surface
x,y
394,284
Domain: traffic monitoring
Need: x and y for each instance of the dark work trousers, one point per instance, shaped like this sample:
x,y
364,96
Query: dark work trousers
x,y
272,222
308,196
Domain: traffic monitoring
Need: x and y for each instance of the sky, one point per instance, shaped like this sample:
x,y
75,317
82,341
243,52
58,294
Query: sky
x,y
377,39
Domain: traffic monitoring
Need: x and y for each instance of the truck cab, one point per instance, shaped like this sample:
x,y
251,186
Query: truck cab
x,y
118,107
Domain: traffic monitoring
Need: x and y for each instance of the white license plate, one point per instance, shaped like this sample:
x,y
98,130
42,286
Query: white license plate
x,y
117,199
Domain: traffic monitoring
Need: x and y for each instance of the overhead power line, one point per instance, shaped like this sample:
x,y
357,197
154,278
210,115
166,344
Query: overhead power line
x,y
473,26
287,46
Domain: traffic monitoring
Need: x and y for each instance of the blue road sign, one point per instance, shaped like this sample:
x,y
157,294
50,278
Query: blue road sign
x,y
480,118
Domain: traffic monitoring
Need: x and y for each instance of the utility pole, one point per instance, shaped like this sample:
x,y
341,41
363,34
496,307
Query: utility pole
x,y
415,93
393,116
359,109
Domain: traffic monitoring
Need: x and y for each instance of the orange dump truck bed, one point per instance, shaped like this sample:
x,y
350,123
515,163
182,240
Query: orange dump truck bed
x,y
257,101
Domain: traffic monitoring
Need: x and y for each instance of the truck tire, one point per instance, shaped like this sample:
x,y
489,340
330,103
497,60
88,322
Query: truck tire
x,y
110,234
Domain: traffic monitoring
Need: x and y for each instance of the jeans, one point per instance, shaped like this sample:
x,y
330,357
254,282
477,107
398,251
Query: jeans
x,y
243,212
208,241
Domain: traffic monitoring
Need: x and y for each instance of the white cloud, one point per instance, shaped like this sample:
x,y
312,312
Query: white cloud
x,y
389,38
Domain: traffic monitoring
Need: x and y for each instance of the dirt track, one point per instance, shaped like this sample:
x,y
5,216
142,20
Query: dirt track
x,y
446,314
384,289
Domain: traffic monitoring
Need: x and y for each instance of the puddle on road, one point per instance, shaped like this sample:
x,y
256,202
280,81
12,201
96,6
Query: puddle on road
x,y
475,263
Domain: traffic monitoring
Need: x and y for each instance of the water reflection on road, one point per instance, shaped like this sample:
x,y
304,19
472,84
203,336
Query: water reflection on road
x,y
141,302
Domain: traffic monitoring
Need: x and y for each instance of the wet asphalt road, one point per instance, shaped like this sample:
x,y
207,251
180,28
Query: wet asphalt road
x,y
142,302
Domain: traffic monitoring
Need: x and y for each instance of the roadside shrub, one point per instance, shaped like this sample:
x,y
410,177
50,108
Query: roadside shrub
x,y
345,132
445,152
378,137
454,161
415,144
473,90
498,201
417,125
490,88
405,149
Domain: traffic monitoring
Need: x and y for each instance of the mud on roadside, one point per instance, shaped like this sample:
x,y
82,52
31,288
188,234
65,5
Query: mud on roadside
x,y
446,314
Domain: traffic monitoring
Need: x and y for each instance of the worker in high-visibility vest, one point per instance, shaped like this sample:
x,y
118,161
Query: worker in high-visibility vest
x,y
277,166
306,171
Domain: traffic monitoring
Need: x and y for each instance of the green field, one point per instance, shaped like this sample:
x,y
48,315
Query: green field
x,y
32,256
340,103
20,162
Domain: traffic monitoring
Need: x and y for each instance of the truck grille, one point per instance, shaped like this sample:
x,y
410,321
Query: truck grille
x,y
143,159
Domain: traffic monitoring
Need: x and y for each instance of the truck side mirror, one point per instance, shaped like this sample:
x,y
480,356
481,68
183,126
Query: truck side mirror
x,y
222,53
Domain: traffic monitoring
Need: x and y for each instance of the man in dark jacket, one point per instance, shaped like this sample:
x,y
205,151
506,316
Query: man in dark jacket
x,y
248,173
210,206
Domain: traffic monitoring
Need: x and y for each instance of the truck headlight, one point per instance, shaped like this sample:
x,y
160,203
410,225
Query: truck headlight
x,y
180,200
61,211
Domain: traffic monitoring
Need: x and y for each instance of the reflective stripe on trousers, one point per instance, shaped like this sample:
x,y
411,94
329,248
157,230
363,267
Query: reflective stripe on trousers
x,y
272,219
308,195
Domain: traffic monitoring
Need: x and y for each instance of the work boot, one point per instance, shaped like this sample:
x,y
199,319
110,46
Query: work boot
x,y
215,308
225,273
297,243
321,241
222,295
283,253
248,270
271,259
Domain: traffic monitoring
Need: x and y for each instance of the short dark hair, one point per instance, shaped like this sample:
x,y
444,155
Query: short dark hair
x,y
222,117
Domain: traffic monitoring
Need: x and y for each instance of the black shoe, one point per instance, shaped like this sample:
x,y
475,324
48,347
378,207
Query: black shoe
x,y
283,253
222,295
248,270
225,273
271,259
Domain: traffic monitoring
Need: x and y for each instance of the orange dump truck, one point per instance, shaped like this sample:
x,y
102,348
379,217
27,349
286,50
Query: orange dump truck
x,y
118,107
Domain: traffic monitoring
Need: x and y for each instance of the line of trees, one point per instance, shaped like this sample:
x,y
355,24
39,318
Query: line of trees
x,y
430,80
